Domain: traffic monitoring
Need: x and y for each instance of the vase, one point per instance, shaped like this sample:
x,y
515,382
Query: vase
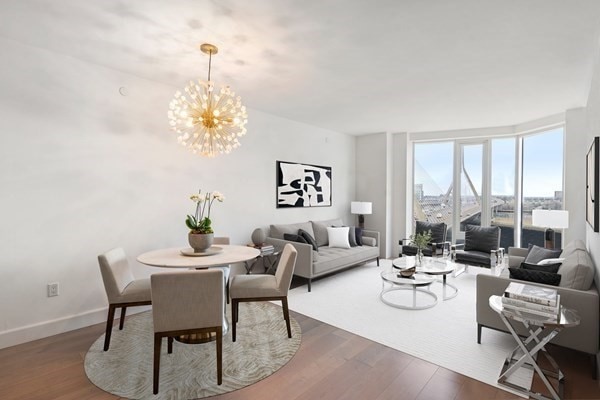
x,y
200,242
258,237
419,258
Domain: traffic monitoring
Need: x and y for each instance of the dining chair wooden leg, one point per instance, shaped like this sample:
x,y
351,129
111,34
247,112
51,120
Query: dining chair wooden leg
x,y
234,317
286,315
170,345
227,291
157,345
219,355
109,324
122,319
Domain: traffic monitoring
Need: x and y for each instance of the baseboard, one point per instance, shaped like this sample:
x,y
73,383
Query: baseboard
x,y
53,327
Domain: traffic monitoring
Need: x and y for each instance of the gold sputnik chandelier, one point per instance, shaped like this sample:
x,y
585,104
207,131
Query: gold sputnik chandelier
x,y
208,120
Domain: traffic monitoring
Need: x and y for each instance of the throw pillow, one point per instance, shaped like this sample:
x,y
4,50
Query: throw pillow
x,y
551,261
294,238
338,237
528,275
552,268
359,232
309,239
537,254
352,237
482,238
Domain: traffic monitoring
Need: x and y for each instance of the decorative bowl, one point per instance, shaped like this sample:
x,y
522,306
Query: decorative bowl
x,y
408,272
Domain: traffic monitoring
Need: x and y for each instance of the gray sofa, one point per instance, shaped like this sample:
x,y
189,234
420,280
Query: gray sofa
x,y
577,291
312,264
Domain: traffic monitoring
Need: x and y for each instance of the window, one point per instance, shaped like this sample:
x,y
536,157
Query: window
x,y
486,191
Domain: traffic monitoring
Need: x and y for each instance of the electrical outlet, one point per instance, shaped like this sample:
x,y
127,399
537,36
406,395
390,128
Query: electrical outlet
x,y
53,289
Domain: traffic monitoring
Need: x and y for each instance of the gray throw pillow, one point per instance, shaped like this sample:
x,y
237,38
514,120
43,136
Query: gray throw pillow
x,y
352,237
537,254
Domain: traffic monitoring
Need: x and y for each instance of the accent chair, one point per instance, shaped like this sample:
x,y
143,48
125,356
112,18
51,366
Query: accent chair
x,y
438,240
185,303
122,290
265,287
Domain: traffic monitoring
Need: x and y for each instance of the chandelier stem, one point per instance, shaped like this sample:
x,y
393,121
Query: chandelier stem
x,y
209,63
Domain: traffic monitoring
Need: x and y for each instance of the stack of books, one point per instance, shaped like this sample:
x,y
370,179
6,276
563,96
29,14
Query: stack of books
x,y
531,302
264,248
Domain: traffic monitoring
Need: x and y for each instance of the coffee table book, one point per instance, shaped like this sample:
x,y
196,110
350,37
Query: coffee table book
x,y
532,293
522,304
529,310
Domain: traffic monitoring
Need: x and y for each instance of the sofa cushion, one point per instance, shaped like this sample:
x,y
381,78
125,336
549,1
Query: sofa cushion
x,y
277,231
473,257
552,268
482,238
529,275
338,237
577,269
331,258
309,239
320,230
537,254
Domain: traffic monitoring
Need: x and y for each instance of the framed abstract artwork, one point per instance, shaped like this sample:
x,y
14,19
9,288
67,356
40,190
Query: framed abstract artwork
x,y
592,188
303,185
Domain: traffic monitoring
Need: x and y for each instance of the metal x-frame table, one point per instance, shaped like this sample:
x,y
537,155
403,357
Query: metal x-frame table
x,y
540,333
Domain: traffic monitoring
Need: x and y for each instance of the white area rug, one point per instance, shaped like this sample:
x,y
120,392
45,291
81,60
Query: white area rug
x,y
445,335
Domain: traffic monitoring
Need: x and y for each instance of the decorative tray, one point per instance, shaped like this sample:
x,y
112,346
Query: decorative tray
x,y
211,251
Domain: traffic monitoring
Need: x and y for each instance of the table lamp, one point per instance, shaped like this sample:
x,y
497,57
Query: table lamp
x,y
361,208
550,219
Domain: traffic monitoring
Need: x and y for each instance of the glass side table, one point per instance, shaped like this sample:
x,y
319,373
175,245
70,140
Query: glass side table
x,y
540,333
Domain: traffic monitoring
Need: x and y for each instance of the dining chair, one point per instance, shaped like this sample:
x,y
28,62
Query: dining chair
x,y
225,268
263,287
121,288
184,303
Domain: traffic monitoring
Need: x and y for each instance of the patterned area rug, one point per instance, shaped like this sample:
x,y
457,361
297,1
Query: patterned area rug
x,y
190,372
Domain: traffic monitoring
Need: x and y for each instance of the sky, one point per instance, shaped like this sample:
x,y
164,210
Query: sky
x,y
542,165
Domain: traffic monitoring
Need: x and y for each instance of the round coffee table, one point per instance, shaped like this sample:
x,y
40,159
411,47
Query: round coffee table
x,y
431,266
417,283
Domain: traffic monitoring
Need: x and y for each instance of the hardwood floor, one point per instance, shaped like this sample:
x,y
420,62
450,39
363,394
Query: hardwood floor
x,y
330,364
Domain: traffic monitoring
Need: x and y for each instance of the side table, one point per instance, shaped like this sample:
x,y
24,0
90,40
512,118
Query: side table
x,y
268,260
540,333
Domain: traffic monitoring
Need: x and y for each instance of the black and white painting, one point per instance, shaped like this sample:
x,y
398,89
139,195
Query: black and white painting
x,y
303,185
592,212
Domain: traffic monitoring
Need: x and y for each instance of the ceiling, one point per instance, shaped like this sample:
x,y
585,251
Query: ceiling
x,y
351,66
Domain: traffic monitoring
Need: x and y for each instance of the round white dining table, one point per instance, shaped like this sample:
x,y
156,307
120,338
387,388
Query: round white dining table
x,y
172,257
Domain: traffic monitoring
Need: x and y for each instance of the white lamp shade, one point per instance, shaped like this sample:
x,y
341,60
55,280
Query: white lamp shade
x,y
361,207
554,219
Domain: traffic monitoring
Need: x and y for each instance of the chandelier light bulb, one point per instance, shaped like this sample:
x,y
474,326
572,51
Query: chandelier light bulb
x,y
206,120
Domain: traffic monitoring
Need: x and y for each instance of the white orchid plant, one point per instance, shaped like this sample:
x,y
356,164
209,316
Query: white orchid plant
x,y
198,223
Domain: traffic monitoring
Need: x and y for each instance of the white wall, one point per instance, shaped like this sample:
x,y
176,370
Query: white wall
x,y
592,126
84,169
373,184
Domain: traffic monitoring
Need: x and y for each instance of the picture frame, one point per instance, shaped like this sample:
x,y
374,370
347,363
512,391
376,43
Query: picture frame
x,y
302,185
592,198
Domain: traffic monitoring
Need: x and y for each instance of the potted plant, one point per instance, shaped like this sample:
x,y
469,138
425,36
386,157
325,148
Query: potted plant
x,y
420,241
201,234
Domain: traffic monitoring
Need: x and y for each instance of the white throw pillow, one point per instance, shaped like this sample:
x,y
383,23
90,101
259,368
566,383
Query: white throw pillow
x,y
338,237
551,261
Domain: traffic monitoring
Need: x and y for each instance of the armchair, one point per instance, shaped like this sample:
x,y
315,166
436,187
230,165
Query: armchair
x,y
438,240
481,247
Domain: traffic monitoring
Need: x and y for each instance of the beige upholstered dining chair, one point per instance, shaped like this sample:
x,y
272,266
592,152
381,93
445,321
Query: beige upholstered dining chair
x,y
185,303
246,288
121,288
224,268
